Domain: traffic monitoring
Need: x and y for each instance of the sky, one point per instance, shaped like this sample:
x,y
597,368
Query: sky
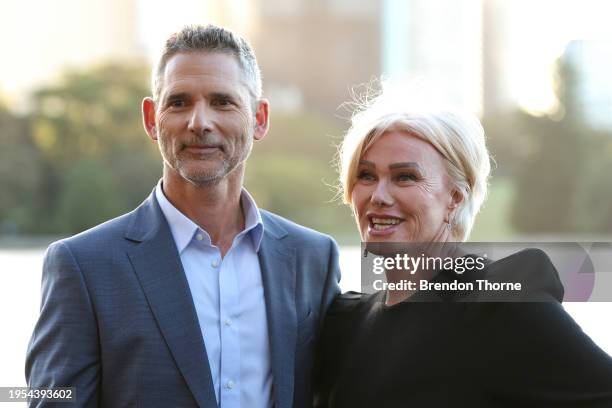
x,y
40,37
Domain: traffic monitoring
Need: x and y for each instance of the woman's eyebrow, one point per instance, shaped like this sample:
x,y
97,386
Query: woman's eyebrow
x,y
367,163
402,165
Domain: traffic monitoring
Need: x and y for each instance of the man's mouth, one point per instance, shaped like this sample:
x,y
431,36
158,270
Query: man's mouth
x,y
202,149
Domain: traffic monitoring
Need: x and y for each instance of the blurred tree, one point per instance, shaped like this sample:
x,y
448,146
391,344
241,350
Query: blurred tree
x,y
547,181
90,122
95,162
291,173
92,112
563,185
509,142
89,196
21,170
594,195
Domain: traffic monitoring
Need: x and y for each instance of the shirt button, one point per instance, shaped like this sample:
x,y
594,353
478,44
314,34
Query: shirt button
x,y
228,322
230,384
199,237
215,263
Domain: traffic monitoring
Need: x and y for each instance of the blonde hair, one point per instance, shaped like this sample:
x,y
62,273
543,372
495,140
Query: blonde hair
x,y
457,136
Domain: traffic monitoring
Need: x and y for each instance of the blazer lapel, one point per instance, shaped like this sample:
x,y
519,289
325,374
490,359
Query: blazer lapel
x,y
160,272
277,263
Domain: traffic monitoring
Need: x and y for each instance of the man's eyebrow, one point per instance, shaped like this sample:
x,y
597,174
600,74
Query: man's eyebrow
x,y
224,95
401,165
213,95
175,96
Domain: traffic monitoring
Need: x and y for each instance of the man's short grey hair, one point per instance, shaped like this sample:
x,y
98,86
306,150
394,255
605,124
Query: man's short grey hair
x,y
209,38
458,136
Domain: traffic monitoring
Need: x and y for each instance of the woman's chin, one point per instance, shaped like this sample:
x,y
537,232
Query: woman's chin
x,y
386,238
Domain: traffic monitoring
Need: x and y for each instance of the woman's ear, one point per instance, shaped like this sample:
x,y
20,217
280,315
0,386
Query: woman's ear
x,y
456,198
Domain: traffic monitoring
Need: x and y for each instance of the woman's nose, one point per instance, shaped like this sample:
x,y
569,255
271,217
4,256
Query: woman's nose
x,y
381,196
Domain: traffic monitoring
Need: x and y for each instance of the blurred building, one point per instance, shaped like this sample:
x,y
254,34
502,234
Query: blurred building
x,y
109,31
63,34
591,65
497,97
438,41
312,52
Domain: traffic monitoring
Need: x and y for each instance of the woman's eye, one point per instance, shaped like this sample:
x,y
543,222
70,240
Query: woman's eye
x,y
177,103
365,175
407,177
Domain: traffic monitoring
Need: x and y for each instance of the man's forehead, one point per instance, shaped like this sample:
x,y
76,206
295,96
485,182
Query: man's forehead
x,y
205,57
221,68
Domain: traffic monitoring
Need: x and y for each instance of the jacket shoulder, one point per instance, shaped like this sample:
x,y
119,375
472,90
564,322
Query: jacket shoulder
x,y
533,268
347,303
294,230
100,235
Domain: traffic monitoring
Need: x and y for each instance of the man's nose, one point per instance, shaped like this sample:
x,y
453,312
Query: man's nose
x,y
200,120
382,196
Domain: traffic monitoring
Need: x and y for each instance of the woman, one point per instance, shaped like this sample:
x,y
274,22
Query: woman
x,y
421,177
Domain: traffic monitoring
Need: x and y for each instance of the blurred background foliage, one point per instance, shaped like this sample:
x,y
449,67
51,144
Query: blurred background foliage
x,y
80,156
563,175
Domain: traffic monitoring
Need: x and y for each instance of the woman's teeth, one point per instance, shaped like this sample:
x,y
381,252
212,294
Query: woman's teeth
x,y
384,223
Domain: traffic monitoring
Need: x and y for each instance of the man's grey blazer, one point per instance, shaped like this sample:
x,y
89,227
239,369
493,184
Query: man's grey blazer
x,y
118,321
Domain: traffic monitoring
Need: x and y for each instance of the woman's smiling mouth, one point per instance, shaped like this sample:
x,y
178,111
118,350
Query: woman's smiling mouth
x,y
381,225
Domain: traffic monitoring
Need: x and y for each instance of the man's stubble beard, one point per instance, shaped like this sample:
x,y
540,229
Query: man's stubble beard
x,y
204,177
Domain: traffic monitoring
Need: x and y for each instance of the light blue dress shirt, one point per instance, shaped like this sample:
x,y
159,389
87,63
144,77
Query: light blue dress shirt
x,y
229,299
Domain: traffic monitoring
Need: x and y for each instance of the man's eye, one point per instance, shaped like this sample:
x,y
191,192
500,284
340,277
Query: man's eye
x,y
178,103
222,102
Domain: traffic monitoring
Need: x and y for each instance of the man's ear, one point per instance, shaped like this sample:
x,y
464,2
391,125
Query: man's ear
x,y
262,120
148,117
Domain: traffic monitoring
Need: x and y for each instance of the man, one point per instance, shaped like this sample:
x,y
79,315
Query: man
x,y
195,298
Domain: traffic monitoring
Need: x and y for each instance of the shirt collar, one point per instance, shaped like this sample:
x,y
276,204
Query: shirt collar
x,y
183,228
